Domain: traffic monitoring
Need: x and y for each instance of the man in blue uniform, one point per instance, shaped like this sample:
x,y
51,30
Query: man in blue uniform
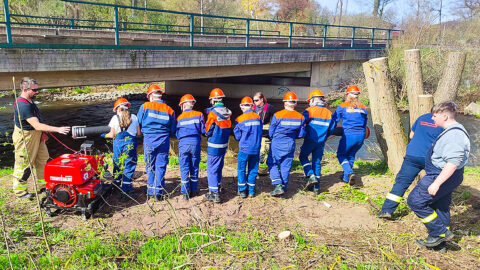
x,y
286,126
218,129
445,160
157,121
319,125
423,134
248,130
190,126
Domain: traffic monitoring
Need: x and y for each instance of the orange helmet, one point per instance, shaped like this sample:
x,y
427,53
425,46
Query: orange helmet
x,y
120,102
246,101
186,98
290,96
315,93
154,89
216,93
352,90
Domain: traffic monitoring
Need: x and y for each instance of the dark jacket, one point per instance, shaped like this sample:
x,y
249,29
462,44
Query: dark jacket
x,y
268,112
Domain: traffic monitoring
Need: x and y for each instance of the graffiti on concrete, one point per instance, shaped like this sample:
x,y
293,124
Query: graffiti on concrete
x,y
282,90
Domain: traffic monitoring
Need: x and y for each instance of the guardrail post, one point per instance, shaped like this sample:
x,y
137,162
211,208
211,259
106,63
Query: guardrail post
x,y
259,33
353,37
290,30
233,31
324,41
72,23
166,28
6,13
202,30
247,33
117,35
388,37
191,29
124,26
373,37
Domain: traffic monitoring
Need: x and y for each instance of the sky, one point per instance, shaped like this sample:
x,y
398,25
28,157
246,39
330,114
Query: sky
x,y
402,7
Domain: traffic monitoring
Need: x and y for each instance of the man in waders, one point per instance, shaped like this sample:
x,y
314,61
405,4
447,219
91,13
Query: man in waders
x,y
29,137
423,134
157,122
445,160
265,111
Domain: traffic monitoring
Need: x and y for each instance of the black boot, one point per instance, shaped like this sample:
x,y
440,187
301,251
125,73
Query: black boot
x,y
243,194
433,241
278,191
351,179
213,197
384,215
311,181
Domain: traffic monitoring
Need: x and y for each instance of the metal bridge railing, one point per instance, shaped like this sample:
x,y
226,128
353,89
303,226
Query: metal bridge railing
x,y
292,32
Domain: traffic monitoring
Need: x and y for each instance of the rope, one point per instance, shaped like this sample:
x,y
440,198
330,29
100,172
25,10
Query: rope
x,y
62,143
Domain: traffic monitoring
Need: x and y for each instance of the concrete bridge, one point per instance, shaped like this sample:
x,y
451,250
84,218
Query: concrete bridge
x,y
60,57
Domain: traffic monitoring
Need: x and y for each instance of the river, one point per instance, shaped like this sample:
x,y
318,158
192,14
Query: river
x,y
64,113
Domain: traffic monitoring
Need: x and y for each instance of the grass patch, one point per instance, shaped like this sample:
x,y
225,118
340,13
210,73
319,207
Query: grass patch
x,y
82,90
54,90
337,102
296,166
173,162
372,168
129,86
6,172
472,170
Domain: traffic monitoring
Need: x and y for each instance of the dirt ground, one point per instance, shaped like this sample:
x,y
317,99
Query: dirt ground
x,y
348,224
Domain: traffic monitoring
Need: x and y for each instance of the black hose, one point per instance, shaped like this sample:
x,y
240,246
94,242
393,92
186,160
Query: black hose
x,y
82,132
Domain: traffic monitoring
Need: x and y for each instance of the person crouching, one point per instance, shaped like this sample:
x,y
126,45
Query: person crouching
x,y
248,131
190,126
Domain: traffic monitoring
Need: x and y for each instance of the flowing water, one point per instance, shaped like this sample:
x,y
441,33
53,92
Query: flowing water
x,y
64,113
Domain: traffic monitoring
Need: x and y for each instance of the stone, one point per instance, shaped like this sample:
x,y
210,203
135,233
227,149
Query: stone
x,y
284,235
472,108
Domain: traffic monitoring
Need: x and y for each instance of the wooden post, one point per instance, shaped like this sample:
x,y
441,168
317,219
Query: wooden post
x,y
425,104
383,99
448,85
413,81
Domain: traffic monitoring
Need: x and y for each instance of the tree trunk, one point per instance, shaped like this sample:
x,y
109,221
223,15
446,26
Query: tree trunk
x,y
448,85
376,5
376,119
384,106
425,104
413,81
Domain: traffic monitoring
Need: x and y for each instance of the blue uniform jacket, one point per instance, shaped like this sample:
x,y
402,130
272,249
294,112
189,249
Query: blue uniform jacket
x,y
157,122
425,133
248,130
354,119
218,129
190,127
319,123
287,125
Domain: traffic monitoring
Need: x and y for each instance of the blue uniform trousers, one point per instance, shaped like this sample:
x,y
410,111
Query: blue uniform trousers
x,y
315,168
156,161
247,178
279,164
214,171
434,211
189,161
347,148
124,160
411,166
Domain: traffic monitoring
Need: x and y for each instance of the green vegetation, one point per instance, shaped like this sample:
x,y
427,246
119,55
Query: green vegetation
x,y
129,86
82,90
6,171
337,102
373,168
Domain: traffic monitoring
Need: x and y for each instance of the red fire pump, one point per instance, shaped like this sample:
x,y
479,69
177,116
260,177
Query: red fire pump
x,y
73,182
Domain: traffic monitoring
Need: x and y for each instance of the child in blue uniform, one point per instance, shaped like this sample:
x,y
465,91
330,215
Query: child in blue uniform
x,y
190,127
319,125
124,129
286,126
248,130
218,129
354,123
157,122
